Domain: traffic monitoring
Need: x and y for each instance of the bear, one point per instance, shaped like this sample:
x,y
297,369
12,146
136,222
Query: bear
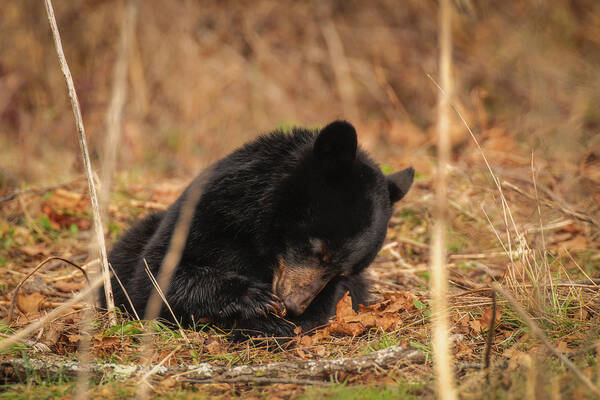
x,y
282,228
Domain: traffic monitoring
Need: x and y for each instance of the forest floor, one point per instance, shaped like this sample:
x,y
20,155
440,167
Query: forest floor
x,y
542,244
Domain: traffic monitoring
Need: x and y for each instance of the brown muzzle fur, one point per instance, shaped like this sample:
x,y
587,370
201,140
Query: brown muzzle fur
x,y
298,286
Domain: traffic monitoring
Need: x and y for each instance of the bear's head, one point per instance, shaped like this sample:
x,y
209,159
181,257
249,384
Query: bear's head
x,y
333,212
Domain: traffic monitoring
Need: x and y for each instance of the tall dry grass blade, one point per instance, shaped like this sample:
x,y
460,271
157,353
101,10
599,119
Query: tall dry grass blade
x,y
439,272
542,338
110,305
547,273
164,300
176,247
117,100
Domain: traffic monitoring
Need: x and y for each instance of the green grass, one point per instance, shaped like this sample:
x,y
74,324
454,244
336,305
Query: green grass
x,y
402,390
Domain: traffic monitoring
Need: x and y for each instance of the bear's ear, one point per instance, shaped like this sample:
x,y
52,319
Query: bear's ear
x,y
399,183
335,147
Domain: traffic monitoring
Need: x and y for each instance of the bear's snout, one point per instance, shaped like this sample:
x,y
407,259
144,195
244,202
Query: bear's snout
x,y
298,286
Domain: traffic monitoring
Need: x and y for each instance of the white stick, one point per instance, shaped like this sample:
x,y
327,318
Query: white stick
x,y
439,273
110,305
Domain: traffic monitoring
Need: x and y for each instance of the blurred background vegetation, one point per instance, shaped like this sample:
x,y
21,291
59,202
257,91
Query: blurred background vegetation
x,y
205,76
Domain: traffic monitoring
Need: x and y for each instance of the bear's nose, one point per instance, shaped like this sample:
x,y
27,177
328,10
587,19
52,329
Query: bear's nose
x,y
293,307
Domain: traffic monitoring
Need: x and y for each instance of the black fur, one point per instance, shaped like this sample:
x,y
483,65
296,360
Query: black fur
x,y
268,201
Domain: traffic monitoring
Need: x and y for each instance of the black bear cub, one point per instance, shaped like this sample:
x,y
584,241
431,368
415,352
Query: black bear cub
x,y
286,222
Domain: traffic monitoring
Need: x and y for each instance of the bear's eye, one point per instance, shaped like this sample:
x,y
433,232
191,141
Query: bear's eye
x,y
318,249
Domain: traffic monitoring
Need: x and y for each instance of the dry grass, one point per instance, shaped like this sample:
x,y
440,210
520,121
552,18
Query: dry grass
x,y
218,76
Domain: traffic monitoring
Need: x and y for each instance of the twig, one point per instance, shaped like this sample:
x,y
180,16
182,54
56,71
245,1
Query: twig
x,y
256,379
86,161
40,189
412,242
40,265
157,366
542,337
490,335
439,272
38,347
552,204
314,370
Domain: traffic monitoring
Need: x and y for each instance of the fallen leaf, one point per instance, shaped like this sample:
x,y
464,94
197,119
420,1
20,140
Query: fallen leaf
x,y
30,304
563,347
346,329
387,322
475,325
306,341
70,286
344,308
34,249
486,317
64,199
214,347
168,382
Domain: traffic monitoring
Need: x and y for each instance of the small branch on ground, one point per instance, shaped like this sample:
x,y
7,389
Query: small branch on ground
x,y
555,205
302,371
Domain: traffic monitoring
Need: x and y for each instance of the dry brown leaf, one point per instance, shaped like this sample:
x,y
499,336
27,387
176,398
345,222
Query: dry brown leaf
x,y
70,286
306,341
486,317
34,249
346,329
301,353
563,347
168,382
64,199
77,338
387,322
344,308
214,347
578,242
475,325
31,303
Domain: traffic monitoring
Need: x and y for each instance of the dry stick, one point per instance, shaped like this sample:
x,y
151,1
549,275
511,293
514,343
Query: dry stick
x,y
84,354
542,337
117,101
86,160
490,336
575,214
50,316
258,380
40,189
439,282
148,374
36,269
176,246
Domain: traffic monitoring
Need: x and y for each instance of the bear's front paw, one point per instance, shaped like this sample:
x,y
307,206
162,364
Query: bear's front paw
x,y
259,301
250,300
